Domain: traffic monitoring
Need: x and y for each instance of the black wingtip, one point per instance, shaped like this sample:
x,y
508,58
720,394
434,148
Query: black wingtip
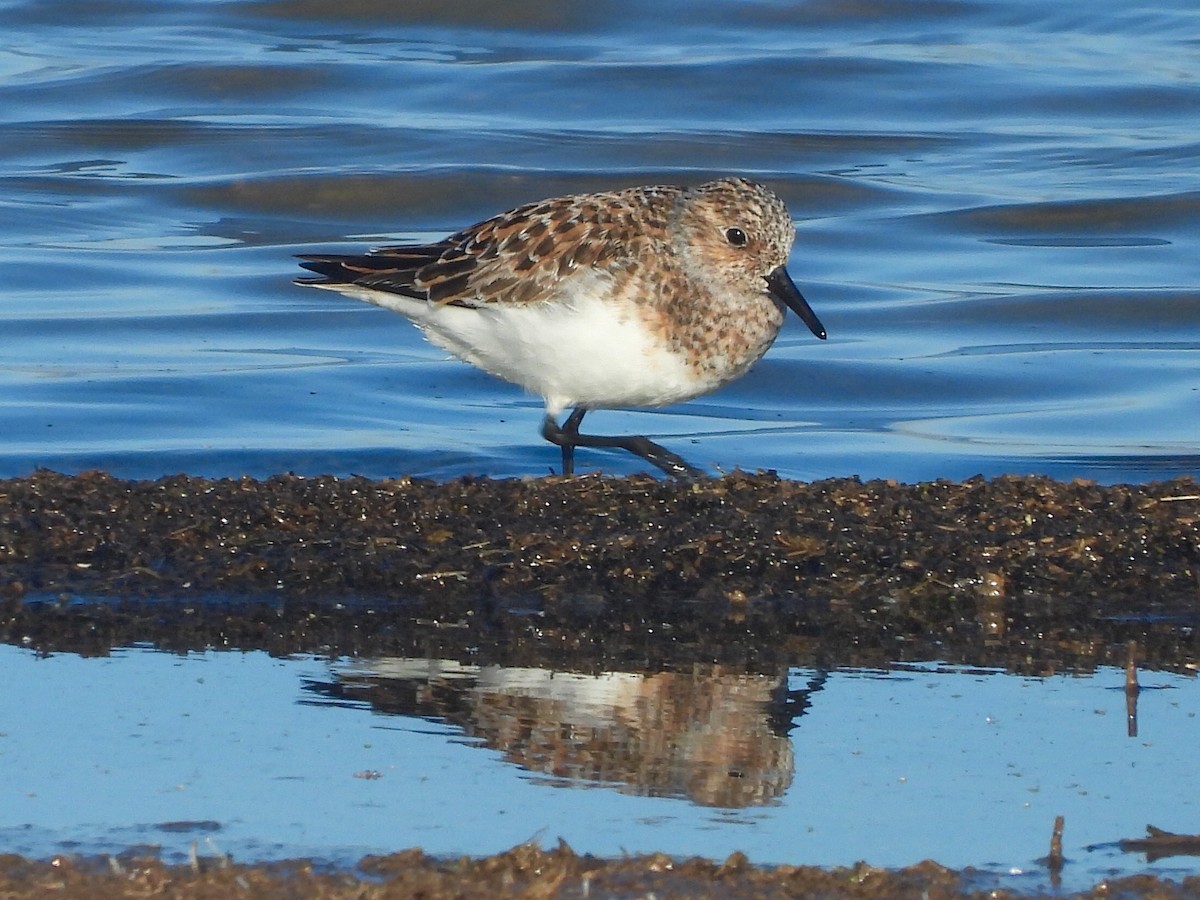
x,y
328,271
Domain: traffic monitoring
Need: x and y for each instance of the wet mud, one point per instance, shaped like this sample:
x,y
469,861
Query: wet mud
x,y
1027,574
747,571
527,871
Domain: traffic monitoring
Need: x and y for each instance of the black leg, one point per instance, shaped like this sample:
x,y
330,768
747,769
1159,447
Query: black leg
x,y
568,438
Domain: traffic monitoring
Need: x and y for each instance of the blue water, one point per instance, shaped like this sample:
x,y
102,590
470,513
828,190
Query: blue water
x,y
261,758
997,203
998,212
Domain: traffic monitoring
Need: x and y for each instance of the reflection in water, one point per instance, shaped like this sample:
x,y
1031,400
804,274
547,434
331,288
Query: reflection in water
x,y
717,737
1132,689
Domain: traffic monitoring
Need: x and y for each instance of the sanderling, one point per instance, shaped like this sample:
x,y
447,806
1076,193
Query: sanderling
x,y
640,297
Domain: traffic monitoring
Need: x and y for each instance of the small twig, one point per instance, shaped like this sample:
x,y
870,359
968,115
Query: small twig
x,y
1054,861
460,574
1159,843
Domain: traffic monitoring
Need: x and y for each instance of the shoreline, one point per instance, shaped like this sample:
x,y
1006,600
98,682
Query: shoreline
x,y
755,573
529,871
1027,574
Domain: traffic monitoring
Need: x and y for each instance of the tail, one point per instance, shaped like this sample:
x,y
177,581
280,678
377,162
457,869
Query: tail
x,y
436,273
329,269
394,273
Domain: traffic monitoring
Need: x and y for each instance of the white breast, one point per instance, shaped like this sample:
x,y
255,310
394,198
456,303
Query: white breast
x,y
580,348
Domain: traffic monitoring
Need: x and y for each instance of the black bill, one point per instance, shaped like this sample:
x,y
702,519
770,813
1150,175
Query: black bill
x,y
782,288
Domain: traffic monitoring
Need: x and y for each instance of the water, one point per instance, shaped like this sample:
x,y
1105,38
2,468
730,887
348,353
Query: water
x,y
268,758
997,204
998,209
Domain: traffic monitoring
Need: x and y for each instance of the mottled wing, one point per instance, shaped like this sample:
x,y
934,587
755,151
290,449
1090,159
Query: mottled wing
x,y
393,269
514,257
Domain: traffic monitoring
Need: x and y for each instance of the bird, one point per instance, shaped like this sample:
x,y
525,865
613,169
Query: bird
x,y
641,297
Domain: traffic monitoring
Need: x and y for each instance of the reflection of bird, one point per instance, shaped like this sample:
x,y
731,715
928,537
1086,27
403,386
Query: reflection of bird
x,y
708,734
641,297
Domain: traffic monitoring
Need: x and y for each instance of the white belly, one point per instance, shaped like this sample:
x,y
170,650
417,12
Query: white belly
x,y
584,351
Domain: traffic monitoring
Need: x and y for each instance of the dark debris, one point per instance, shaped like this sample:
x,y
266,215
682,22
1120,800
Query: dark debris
x,y
1025,573
526,872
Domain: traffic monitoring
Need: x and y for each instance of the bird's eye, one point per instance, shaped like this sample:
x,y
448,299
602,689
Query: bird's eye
x,y
736,236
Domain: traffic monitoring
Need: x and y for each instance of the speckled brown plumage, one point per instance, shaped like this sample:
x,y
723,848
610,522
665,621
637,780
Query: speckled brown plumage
x,y
640,297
